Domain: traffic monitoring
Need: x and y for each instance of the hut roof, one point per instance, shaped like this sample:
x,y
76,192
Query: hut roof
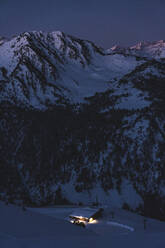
x,y
84,212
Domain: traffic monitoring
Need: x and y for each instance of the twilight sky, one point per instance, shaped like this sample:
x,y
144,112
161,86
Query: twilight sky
x,y
106,22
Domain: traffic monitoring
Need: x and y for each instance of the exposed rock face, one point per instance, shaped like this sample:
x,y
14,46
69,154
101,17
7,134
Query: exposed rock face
x,y
2,40
82,124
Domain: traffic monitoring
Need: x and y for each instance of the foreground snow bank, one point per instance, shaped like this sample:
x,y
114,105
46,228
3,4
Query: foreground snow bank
x,y
27,229
16,223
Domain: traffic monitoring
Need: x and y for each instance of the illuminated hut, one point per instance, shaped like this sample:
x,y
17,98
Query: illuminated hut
x,y
85,215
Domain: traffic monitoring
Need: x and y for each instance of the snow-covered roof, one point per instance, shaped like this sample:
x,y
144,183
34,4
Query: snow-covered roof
x,y
84,212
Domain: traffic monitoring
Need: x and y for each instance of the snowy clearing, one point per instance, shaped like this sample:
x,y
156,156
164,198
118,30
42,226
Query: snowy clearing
x,y
31,229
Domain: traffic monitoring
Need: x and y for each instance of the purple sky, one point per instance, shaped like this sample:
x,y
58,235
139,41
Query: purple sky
x,y
106,22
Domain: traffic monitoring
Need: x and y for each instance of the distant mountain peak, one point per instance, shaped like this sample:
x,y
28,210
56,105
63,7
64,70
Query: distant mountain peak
x,y
140,45
148,49
145,44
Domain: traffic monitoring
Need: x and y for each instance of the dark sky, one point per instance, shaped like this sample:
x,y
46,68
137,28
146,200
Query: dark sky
x,y
106,22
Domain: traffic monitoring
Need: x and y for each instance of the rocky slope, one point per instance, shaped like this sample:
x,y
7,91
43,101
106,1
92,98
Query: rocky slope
x,y
82,124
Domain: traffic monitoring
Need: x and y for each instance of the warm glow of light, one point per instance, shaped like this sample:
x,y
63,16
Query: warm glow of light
x,y
80,217
91,219
93,222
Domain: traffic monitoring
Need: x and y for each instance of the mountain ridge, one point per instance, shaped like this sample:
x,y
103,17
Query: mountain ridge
x,y
58,56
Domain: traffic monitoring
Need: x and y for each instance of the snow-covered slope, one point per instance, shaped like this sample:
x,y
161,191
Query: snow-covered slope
x,y
20,229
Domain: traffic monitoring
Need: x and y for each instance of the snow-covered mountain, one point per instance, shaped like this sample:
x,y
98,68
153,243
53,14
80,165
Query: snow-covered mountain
x,y
82,124
155,50
39,68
